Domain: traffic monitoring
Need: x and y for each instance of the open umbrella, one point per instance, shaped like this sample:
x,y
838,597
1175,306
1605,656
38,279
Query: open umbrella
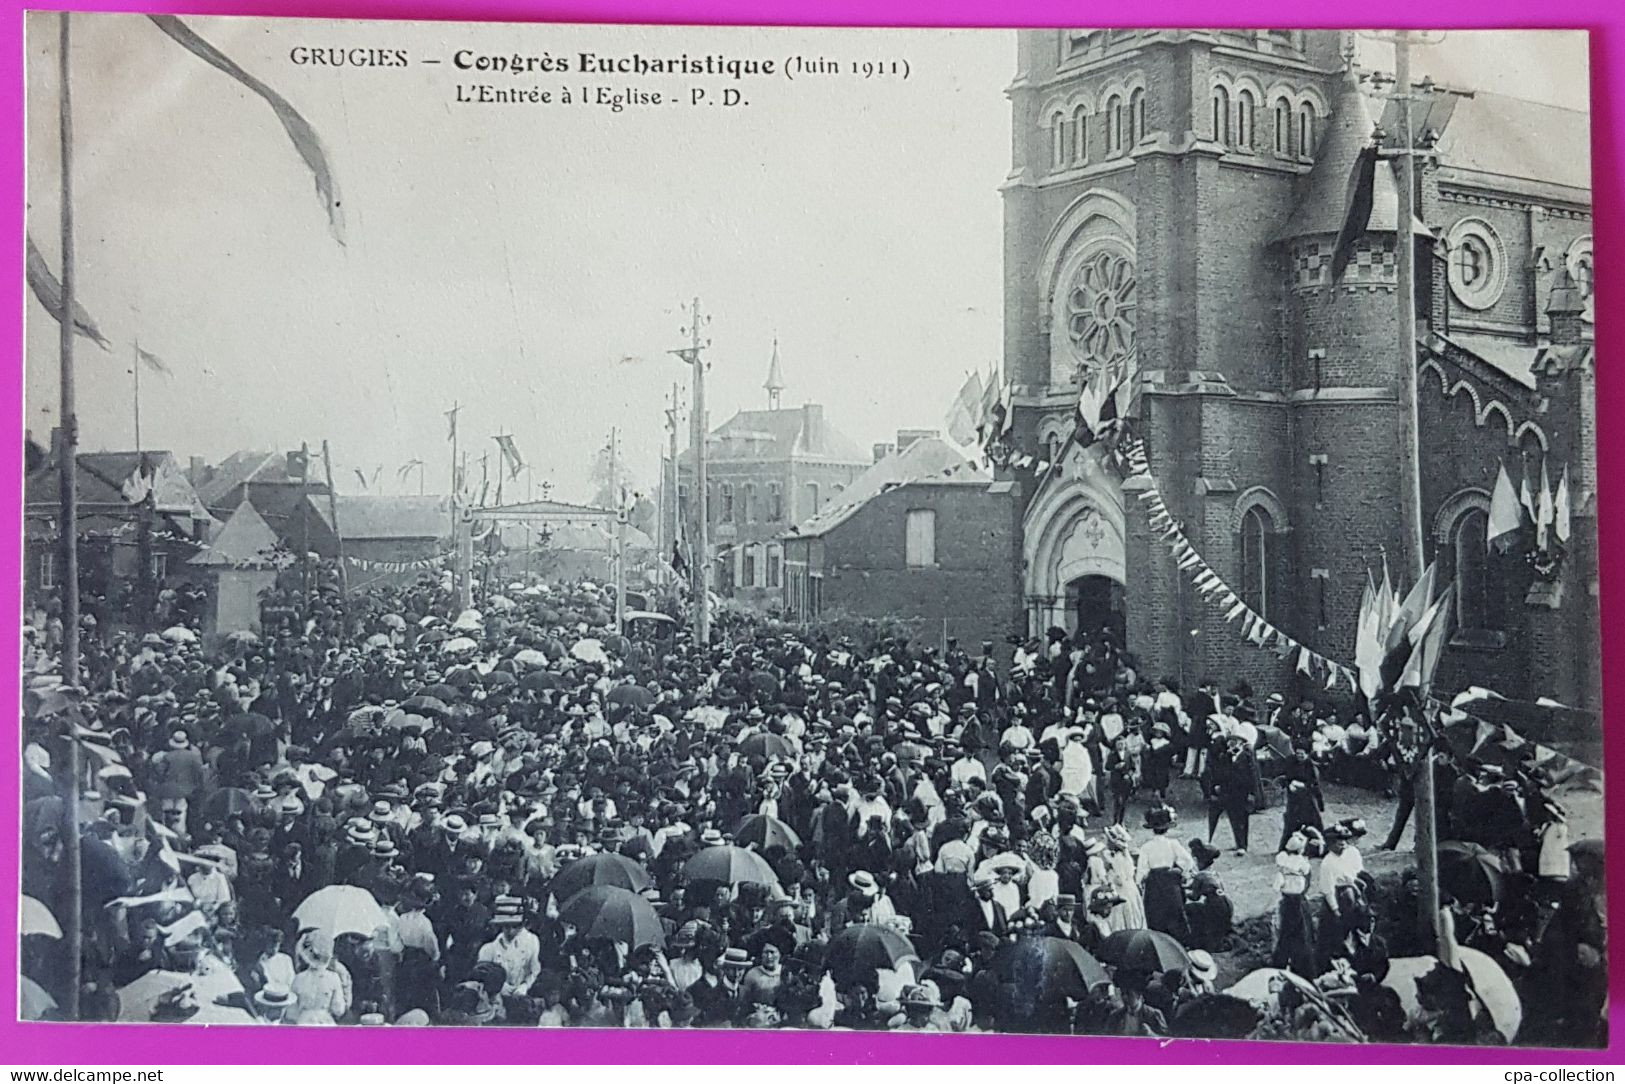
x,y
138,1000
426,705
180,634
539,679
730,866
243,636
248,724
633,696
458,645
767,745
1049,965
36,1003
1215,1016
857,952
1276,741
392,621
403,720
228,802
377,640
1144,950
589,651
500,603
1263,986
38,920
340,909
1495,992
469,621
434,636
1470,873
600,869
765,832
531,658
614,913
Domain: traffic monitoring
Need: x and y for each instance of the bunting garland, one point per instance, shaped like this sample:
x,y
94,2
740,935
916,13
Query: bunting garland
x,y
420,565
1255,628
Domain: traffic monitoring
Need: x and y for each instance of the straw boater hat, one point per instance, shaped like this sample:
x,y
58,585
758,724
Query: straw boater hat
x,y
1202,966
274,996
921,996
508,911
864,882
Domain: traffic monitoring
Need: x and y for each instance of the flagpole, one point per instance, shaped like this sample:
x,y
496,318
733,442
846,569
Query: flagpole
x,y
68,466
333,514
136,363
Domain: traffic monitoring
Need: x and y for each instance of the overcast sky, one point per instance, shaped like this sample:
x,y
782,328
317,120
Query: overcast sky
x,y
506,257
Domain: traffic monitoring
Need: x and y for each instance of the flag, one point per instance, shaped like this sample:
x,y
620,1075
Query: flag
x,y
1411,610
1546,512
1505,515
1356,210
138,486
678,565
1429,637
1560,509
1303,661
1525,498
152,361
407,468
963,415
48,291
510,455
361,477
304,137
451,423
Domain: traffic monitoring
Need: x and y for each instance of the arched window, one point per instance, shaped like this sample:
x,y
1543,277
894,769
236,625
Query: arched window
x,y
1052,447
1080,134
1057,134
1306,130
1221,115
1114,124
775,502
727,514
1136,117
1471,551
1283,127
812,498
1255,561
1246,120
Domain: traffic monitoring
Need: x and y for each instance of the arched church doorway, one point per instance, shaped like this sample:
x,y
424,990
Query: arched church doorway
x,y
1094,607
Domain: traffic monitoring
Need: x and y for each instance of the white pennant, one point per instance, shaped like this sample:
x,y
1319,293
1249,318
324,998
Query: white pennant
x,y
1235,611
1303,660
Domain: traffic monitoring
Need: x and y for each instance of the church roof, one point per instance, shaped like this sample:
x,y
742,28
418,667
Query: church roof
x,y
1500,136
930,459
1324,201
245,540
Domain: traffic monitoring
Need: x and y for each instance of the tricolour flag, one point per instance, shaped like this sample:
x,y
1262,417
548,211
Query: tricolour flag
x,y
1506,516
1429,636
48,291
1545,512
1357,201
510,455
152,361
304,137
1560,509
964,414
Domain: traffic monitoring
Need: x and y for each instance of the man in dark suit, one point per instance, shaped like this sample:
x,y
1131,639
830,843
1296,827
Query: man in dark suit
x,y
985,914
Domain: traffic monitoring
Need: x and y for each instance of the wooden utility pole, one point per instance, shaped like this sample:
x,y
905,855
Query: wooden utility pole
x,y
68,468
305,510
1410,458
616,504
700,559
671,519
338,535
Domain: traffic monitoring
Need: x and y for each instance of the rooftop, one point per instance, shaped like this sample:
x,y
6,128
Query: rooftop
x,y
380,516
930,459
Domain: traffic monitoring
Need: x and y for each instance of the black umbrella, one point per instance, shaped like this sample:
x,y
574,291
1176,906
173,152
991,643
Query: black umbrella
x,y
1215,1016
539,680
857,952
433,636
600,869
1050,965
635,696
441,691
463,677
1144,950
767,745
616,914
1471,874
228,802
425,705
765,832
248,724
765,683
498,678
1275,740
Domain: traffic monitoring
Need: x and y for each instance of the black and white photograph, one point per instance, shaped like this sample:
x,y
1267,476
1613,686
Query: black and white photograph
x,y
1067,532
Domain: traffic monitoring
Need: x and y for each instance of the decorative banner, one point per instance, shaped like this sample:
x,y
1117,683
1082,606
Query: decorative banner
x,y
421,565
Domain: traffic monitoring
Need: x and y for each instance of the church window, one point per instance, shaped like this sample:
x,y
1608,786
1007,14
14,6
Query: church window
x,y
1080,134
1255,561
1136,117
1477,268
1283,127
920,541
1101,308
1472,572
1221,115
1246,117
1306,130
1057,136
1114,122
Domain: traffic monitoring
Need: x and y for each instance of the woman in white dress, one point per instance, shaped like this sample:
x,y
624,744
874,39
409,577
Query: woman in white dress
x,y
1122,877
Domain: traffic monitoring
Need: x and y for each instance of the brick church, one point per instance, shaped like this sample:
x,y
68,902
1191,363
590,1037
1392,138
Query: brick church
x,y
1170,214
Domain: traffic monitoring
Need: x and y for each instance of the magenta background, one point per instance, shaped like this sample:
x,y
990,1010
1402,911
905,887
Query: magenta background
x,y
135,1046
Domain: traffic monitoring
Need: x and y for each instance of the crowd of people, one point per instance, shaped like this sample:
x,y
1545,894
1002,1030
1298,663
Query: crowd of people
x,y
381,811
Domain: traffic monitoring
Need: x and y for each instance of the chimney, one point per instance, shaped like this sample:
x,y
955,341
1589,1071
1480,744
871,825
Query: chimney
x,y
1567,310
194,470
812,426
881,451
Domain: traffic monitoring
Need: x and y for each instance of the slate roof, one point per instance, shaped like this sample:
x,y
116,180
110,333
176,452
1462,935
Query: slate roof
x,y
245,540
779,435
380,516
930,459
1500,136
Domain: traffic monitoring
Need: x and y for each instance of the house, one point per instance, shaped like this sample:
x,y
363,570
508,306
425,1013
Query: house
x,y
923,536
241,563
274,482
138,517
383,537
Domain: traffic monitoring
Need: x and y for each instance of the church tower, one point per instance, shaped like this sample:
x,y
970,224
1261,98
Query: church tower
x,y
775,378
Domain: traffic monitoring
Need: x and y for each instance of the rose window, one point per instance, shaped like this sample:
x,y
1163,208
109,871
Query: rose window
x,y
1100,310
